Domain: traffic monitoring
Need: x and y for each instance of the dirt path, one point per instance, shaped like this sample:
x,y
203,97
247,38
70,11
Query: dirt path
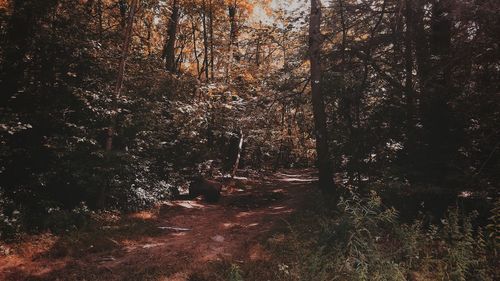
x,y
173,243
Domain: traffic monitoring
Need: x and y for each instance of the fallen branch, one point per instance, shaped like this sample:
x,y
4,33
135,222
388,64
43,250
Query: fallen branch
x,y
174,228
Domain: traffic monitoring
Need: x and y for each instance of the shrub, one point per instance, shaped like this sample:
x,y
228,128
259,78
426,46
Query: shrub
x,y
363,240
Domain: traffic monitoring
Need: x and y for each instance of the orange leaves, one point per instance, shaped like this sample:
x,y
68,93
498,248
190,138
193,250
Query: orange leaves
x,y
4,5
244,6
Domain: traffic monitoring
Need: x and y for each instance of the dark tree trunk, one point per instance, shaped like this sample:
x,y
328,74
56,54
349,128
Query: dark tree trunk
x,y
205,40
101,202
238,155
100,27
232,9
416,21
121,68
436,111
169,48
408,90
212,55
323,154
432,56
195,48
122,5
257,50
233,34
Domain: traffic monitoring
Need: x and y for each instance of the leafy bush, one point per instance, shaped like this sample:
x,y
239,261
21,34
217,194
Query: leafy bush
x,y
59,220
10,219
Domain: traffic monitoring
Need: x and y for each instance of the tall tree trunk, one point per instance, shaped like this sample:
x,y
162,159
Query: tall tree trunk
x,y
232,10
432,52
422,59
100,27
122,5
346,97
180,57
323,154
233,33
257,50
408,89
238,156
118,89
148,23
258,45
169,48
195,49
284,49
436,118
205,39
211,24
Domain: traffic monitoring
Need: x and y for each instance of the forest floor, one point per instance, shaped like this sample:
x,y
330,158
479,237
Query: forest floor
x,y
179,240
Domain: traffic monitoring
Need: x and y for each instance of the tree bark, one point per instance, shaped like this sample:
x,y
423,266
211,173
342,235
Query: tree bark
x,y
211,27
205,40
169,48
101,202
436,111
122,5
408,89
233,33
195,48
100,19
121,68
232,10
432,51
323,154
257,48
238,156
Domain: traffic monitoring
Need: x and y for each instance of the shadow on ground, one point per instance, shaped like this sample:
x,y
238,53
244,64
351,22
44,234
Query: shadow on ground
x,y
175,241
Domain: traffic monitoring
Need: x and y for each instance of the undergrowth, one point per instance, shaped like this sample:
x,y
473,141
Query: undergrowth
x,y
363,240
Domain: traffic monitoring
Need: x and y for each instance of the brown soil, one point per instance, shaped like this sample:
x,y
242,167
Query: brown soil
x,y
172,242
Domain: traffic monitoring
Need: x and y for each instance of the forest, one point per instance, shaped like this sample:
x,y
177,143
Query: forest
x,y
210,140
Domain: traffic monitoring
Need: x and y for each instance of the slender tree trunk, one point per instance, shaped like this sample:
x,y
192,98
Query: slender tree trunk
x,y
257,51
121,68
232,10
409,93
202,69
211,24
180,57
195,49
100,27
437,113
284,46
238,156
122,5
148,22
346,98
169,48
205,40
118,89
422,59
421,46
323,154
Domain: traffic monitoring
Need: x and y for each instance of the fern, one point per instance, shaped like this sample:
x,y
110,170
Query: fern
x,y
494,227
364,241
235,273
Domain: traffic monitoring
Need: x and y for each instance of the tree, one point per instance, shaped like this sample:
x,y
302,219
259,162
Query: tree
x,y
127,38
318,103
169,47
